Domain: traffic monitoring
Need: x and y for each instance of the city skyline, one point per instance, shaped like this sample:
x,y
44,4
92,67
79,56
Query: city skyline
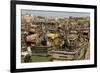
x,y
54,13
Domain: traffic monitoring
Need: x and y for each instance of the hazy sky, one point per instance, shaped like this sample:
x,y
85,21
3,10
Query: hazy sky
x,y
54,13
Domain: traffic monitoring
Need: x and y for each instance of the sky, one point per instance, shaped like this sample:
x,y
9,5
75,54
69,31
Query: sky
x,y
54,13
